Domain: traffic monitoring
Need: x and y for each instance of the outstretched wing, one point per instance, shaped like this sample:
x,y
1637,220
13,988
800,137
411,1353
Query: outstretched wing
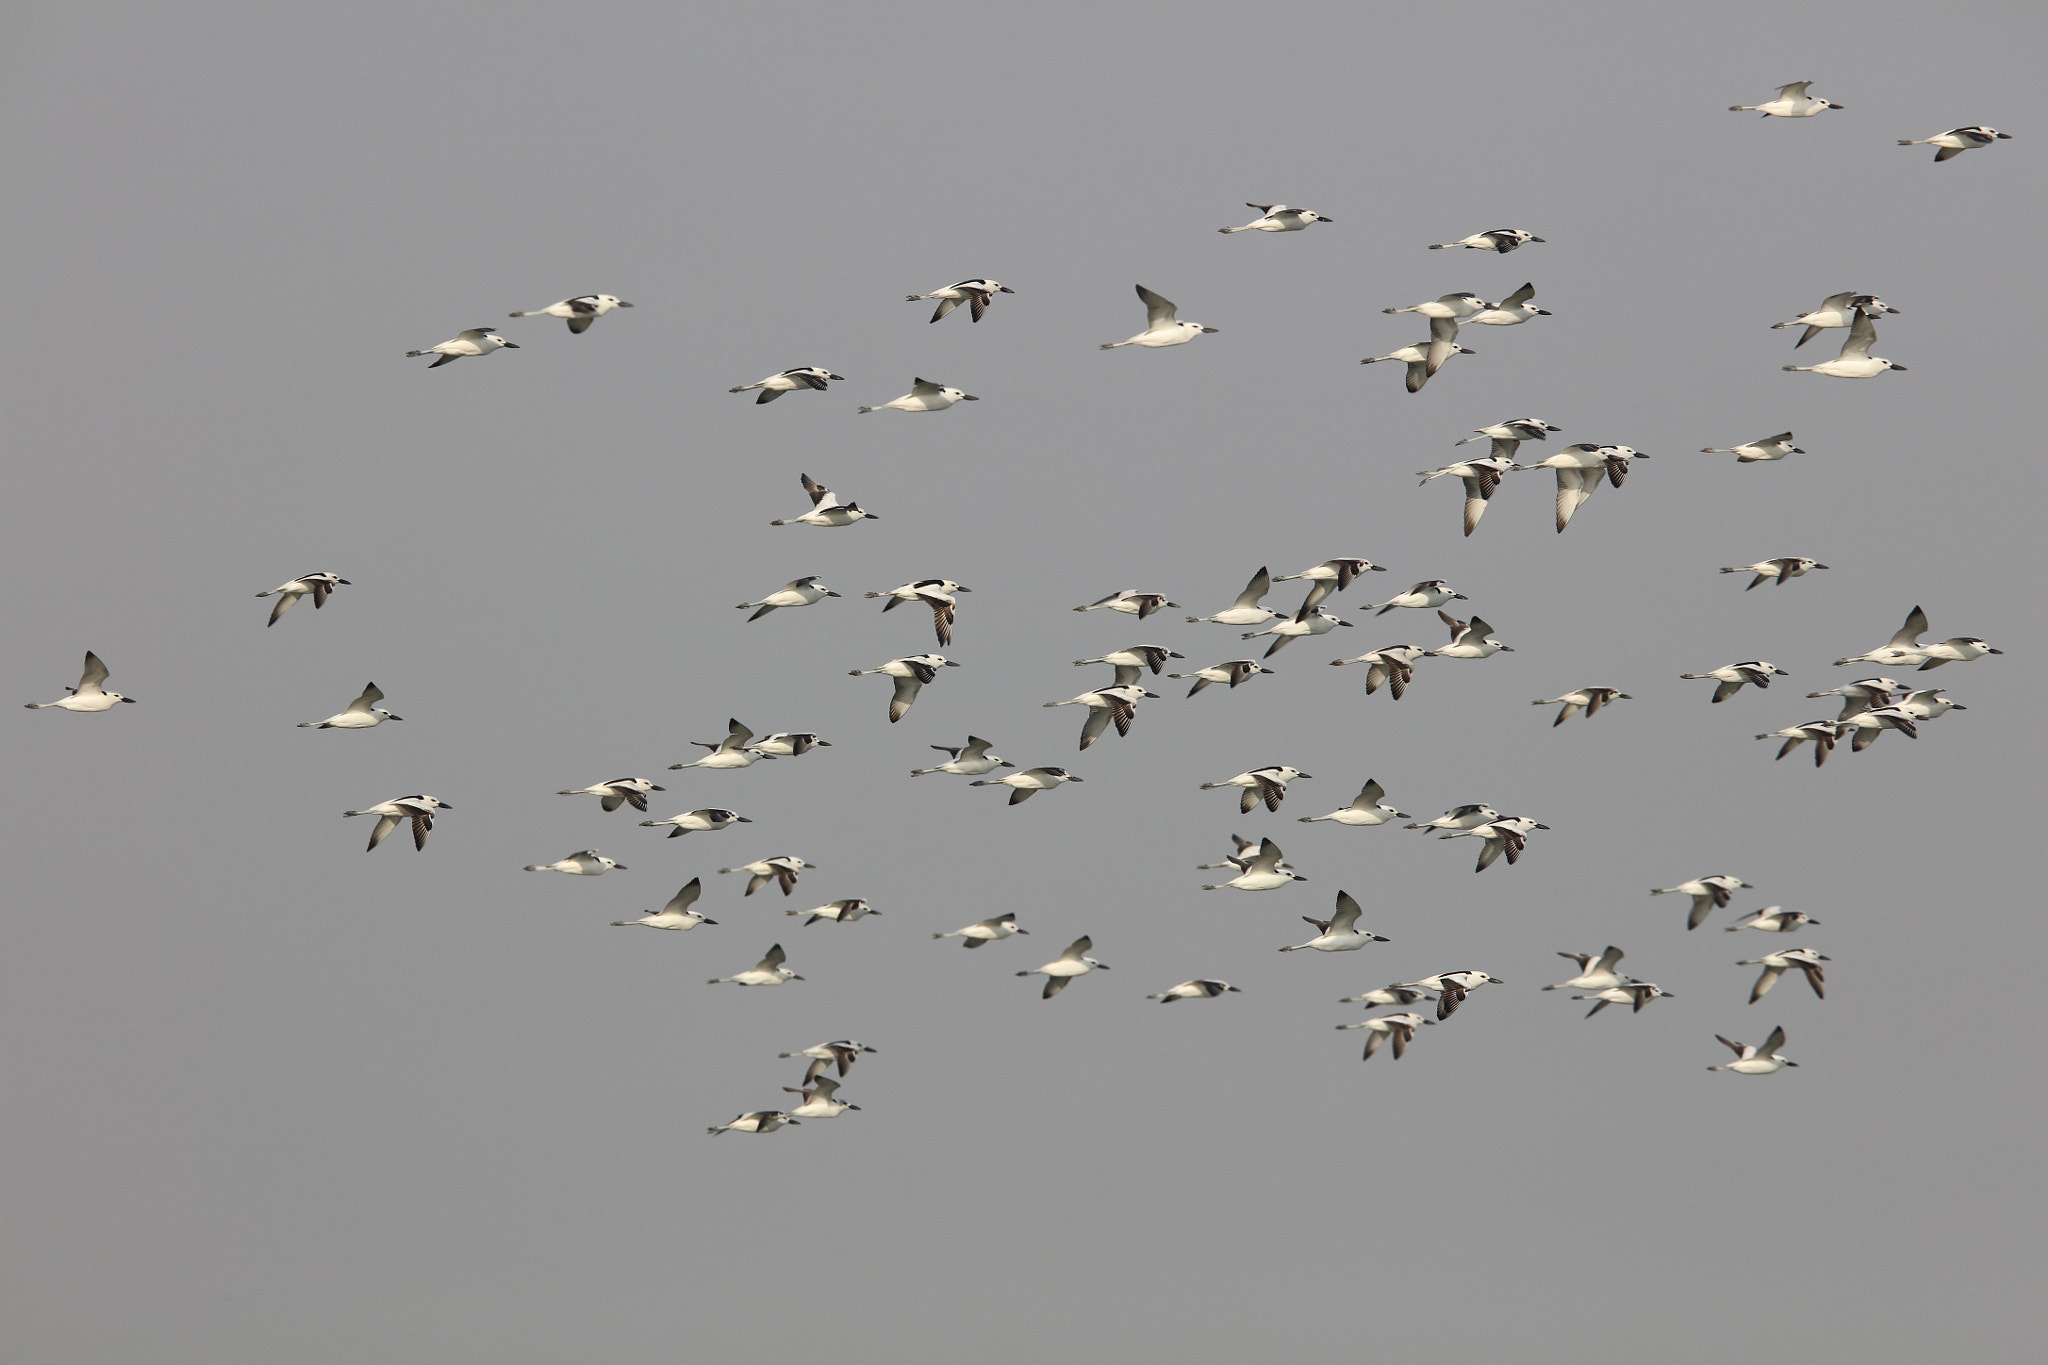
x,y
1159,312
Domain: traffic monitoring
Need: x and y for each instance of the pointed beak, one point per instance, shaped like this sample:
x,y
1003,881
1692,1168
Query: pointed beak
x,y
402,718
1901,369
954,663
1007,290
132,699
513,346
623,304
1211,329
830,593
1072,778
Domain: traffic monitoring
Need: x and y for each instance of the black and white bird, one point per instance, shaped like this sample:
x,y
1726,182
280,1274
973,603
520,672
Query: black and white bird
x,y
1398,1027
1500,240
1773,919
676,915
318,586
1279,218
756,1121
1367,808
1130,602
776,385
1392,666
1395,994
1855,360
1836,310
1481,479
1310,620
839,912
1118,704
783,869
1733,677
1708,894
1459,817
936,594
971,759
620,791
1755,1061
1332,575
1862,694
924,396
1245,611
1430,592
1451,988
1068,965
470,341
1247,849
730,752
1512,432
1264,870
1580,468
786,744
1023,785
1267,784
1163,326
840,1054
1956,141
583,863
1199,989
1456,306
1425,358
1635,994
361,714
911,674
1777,964
1869,725
985,931
1905,649
1783,569
1766,448
1927,703
1131,662
1340,932
1515,308
1231,671
769,971
826,510
419,810
1469,640
1594,975
818,1100
1508,835
798,592
976,294
1822,734
709,819
1588,699
1792,102
581,311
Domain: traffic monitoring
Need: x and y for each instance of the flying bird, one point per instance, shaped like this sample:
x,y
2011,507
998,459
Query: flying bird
x,y
1261,784
1425,358
1777,964
1766,448
1278,218
972,759
581,311
1118,704
1792,102
1708,894
776,385
1733,677
1591,699
911,674
470,341
318,586
1367,808
1068,965
783,870
676,915
1855,360
1023,785
362,714
798,592
1263,871
1500,240
936,594
89,695
1956,141
1340,932
620,791
417,809
985,931
585,863
1836,310
826,510
710,818
976,294
1755,1061
924,396
1783,569
1192,990
1231,671
1162,325
769,971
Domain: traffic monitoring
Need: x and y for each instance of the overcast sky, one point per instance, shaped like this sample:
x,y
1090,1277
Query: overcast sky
x,y
277,1099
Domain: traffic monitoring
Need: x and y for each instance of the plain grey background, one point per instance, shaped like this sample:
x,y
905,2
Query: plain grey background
x,y
276,1099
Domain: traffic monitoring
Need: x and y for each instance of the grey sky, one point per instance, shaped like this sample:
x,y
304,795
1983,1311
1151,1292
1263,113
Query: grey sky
x,y
275,1099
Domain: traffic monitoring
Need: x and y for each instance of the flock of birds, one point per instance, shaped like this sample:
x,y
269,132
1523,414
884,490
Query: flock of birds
x,y
1869,706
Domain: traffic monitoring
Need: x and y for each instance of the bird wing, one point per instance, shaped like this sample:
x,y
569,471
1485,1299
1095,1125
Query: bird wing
x,y
1797,88
1344,919
1862,336
925,388
1477,491
95,673
1159,312
1369,795
942,617
1906,637
1097,722
1608,959
975,748
1772,1043
819,493
775,958
361,705
1574,486
1077,949
1267,859
816,381
1443,340
736,737
1123,713
1261,584
422,826
906,693
685,898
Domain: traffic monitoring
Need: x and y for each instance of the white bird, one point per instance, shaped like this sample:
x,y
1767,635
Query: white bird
x,y
976,294
586,863
1279,218
1903,649
1869,724
1331,575
1708,894
971,759
1792,102
1399,1027
1777,964
1261,784
1425,358
710,818
1754,1061
89,695
1783,569
924,396
362,714
620,791
1481,479
841,1053
818,1100
1340,932
1765,448
985,931
730,752
826,510
319,586
1456,306
1192,990
769,971
1733,677
1855,360
676,915
1862,694
1459,817
776,385
1310,620
1119,704
757,1121
1263,871
1392,665
1956,649
786,744
1469,640
1513,309
1590,698
1023,784
1247,849
1512,433
911,674
1927,703
470,341
1395,994
1593,975
1130,602
1366,808
1956,141
1068,965
1773,919
1635,995
1836,310
1232,671
798,592
1579,470
1162,327
1501,240
783,870
581,311
935,593
1130,663
1452,987
839,912
1431,592
1509,835
1822,734
417,809
1245,611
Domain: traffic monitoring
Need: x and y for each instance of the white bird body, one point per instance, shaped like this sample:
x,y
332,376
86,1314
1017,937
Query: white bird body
x,y
1367,808
985,931
1425,358
586,863
1231,671
783,869
1635,994
839,912
758,1121
1339,572
1118,704
1398,1027
1755,1061
676,915
1481,478
1469,640
1782,569
937,594
1773,919
924,396
1310,621
1390,665
1593,975
1956,141
620,791
1459,817
1708,894
1130,602
318,586
1130,664
911,673
818,1100
1451,988
1836,310
471,341
1776,964
419,810
1499,240
1855,360
1512,432
730,752
1340,932
798,592
1163,326
826,509
709,819
788,744
1927,703
1508,835
89,695
775,385
1516,308
1279,218
970,760
976,294
580,311
769,971
1734,677
362,714
1263,871
1458,306
1261,784
1822,734
1767,448
841,1053
1868,725
1863,694
1199,989
1395,994
1068,965
1579,469
1792,102
1024,784
1245,611
1590,699
1432,592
